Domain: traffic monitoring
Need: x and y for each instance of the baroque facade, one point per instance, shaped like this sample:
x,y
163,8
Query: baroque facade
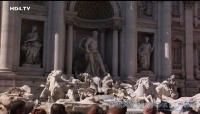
x,y
34,42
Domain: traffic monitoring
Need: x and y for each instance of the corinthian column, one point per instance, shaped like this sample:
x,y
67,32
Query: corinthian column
x,y
190,81
70,17
58,34
166,65
130,40
7,37
115,52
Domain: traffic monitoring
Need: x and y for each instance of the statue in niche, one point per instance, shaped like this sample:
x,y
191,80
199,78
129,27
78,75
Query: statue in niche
x,y
145,51
95,65
31,47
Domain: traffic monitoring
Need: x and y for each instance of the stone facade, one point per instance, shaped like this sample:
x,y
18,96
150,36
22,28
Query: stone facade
x,y
172,27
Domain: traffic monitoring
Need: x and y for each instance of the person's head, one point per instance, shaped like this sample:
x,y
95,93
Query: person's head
x,y
17,107
38,111
150,109
164,108
95,34
95,109
117,110
147,39
192,112
58,109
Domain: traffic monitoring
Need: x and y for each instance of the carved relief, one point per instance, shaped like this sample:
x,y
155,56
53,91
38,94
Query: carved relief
x,y
70,17
147,25
145,9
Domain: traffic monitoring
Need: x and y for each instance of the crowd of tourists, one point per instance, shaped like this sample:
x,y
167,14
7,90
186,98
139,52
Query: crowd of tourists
x,y
20,107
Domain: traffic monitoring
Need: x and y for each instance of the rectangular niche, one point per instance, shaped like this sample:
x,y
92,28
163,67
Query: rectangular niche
x,y
31,45
141,39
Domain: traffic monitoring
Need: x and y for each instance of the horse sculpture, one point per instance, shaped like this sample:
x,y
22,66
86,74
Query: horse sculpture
x,y
141,90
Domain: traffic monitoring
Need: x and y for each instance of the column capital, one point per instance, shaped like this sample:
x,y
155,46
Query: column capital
x,y
189,4
118,23
70,17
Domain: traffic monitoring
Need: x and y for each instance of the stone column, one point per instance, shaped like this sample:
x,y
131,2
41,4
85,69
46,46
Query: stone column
x,y
58,22
130,40
115,52
189,40
166,64
69,48
69,18
102,43
7,37
191,83
49,58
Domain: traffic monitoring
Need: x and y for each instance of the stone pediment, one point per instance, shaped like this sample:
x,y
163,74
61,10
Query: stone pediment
x,y
177,40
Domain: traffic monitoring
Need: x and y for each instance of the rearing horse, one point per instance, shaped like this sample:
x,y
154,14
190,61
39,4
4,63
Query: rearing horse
x,y
141,88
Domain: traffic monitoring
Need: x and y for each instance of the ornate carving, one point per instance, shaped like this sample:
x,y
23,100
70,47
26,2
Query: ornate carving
x,y
147,25
189,4
36,12
96,10
117,23
70,17
145,9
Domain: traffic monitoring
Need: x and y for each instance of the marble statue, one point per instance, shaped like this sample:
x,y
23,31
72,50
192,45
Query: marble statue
x,y
173,86
145,51
92,56
52,88
31,47
140,93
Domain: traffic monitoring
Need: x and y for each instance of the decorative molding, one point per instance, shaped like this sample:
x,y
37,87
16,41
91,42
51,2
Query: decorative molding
x,y
117,23
151,25
36,12
189,4
70,17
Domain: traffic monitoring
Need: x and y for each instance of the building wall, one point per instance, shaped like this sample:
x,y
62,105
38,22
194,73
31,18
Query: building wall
x,y
142,18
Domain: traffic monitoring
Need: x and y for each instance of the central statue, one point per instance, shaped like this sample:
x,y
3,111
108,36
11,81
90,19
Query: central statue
x,y
93,58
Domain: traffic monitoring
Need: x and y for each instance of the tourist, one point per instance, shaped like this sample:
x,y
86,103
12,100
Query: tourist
x,y
193,112
150,109
164,108
117,110
17,107
95,109
38,111
58,109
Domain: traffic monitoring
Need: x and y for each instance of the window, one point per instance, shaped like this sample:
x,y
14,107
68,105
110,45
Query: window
x,y
177,55
175,7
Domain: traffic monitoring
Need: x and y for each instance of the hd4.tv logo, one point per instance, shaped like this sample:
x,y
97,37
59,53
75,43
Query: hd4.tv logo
x,y
24,8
